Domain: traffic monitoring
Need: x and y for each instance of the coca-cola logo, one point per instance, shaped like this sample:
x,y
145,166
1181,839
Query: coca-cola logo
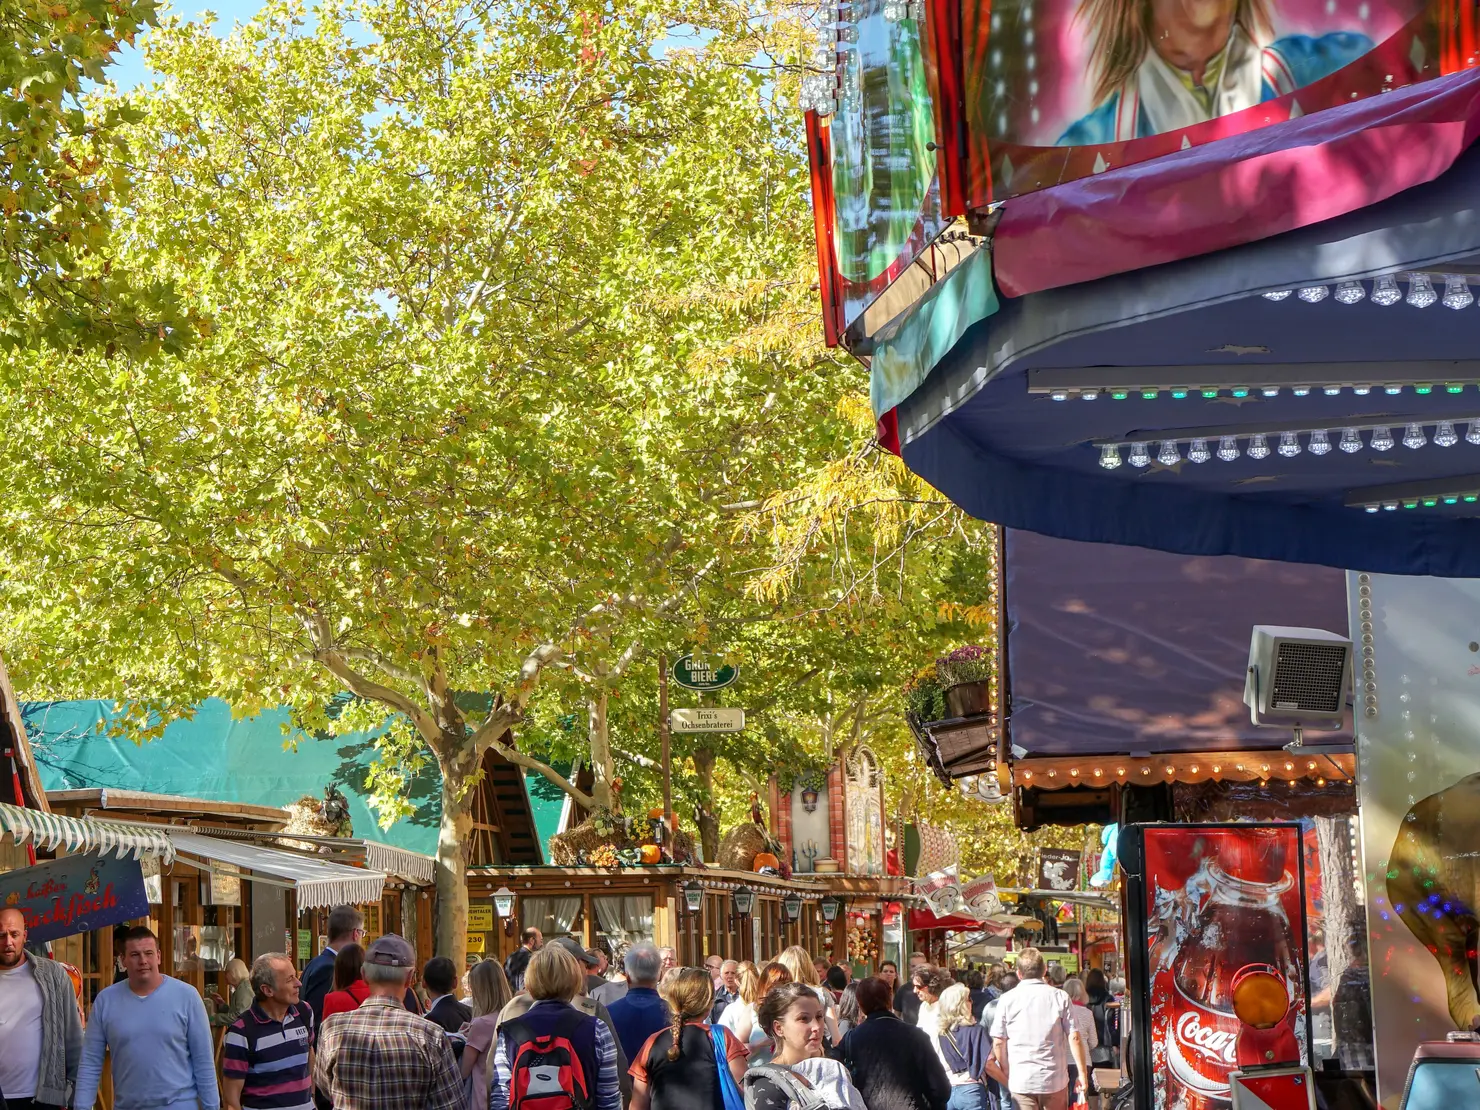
x,y
1209,1041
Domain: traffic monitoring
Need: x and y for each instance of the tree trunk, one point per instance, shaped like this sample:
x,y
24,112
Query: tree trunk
x,y
603,770
453,835
703,758
1345,923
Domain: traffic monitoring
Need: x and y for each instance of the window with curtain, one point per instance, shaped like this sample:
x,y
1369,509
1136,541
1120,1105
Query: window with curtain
x,y
623,918
552,916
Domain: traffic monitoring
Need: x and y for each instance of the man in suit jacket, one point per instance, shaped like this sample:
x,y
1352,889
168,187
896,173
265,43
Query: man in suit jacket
x,y
892,1064
440,976
346,926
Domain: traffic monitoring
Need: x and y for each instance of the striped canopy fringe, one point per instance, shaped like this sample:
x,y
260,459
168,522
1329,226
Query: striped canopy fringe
x,y
77,834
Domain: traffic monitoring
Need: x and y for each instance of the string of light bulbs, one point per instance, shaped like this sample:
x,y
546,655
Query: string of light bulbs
x,y
1386,291
1256,444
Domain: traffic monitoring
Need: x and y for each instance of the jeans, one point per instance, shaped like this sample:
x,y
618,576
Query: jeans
x,y
969,1096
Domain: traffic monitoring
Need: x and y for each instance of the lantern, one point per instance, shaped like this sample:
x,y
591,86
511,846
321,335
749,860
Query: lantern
x,y
744,899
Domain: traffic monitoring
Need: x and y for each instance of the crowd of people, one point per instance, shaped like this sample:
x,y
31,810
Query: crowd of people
x,y
556,1027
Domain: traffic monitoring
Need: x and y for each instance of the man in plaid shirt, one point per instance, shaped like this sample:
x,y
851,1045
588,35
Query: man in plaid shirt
x,y
380,1057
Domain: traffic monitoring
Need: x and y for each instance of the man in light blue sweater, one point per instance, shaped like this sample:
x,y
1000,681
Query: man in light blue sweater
x,y
158,1034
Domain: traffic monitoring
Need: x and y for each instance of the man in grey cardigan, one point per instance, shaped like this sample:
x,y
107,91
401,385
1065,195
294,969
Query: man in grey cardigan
x,y
40,1033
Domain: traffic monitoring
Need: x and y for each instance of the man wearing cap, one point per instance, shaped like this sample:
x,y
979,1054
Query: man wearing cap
x,y
380,1057
519,1005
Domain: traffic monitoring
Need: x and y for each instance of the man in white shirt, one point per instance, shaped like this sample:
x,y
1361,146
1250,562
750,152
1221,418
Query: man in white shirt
x,y
40,1032
1030,1034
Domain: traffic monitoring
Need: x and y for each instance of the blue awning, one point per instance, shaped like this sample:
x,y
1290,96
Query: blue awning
x,y
1121,649
1001,426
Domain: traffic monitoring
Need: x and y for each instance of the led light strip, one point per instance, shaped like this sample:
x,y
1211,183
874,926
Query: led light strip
x,y
1380,438
1385,291
1302,379
1462,489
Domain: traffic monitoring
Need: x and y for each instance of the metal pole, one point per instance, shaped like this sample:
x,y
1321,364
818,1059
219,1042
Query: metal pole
x,y
663,733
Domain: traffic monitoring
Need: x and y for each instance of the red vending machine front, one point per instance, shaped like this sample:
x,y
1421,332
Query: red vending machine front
x,y
1214,907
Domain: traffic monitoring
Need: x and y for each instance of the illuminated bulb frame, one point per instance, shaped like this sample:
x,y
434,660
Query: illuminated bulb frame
x,y
1258,439
1194,765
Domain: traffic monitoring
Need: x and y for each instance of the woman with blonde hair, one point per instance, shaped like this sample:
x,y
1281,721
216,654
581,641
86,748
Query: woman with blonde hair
x,y
678,1068
797,961
965,1050
1084,1021
239,981
490,991
552,979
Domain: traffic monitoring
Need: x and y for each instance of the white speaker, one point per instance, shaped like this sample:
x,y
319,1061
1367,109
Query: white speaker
x,y
1298,676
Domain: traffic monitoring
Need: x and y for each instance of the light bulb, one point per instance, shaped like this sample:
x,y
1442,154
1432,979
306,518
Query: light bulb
x,y
1277,294
1420,291
1351,441
1169,455
1381,439
1271,391
1197,451
1457,292
1332,391
1351,292
1289,445
1472,433
1313,294
1385,290
1110,456
1228,448
1139,456
1059,395
1320,442
1392,390
1413,436
1258,447
1088,394
1361,390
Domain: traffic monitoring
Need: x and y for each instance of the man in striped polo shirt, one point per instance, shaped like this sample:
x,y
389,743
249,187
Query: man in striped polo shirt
x,y
265,1057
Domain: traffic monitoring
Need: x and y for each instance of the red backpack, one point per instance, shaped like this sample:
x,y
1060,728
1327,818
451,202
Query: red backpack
x,y
546,1072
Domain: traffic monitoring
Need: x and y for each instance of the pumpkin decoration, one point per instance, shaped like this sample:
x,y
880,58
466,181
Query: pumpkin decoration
x,y
655,814
765,859
651,853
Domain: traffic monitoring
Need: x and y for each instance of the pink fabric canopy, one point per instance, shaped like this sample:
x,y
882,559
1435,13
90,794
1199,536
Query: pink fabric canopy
x,y
1236,190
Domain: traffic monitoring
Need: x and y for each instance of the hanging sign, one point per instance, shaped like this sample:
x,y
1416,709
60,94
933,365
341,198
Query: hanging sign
x,y
75,894
707,720
1058,869
696,673
480,917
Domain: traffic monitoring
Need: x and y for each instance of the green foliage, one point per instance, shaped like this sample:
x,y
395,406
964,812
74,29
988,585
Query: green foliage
x,y
925,696
62,172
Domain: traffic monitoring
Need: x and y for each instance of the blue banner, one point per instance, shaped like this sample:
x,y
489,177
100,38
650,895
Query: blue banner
x,y
75,894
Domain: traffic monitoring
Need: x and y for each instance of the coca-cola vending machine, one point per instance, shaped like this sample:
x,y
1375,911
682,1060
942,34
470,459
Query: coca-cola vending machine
x,y
1204,902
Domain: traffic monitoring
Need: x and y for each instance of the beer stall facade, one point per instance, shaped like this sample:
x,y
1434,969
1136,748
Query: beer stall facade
x,y
215,879
833,896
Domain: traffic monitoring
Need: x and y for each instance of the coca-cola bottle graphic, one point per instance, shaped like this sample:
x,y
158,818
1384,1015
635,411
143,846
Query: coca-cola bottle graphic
x,y
1230,914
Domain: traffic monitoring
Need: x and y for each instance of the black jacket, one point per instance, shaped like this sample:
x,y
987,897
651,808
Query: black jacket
x,y
449,1013
894,1065
317,982
907,1003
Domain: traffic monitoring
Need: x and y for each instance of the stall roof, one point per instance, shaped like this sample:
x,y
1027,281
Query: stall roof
x,y
1003,425
413,867
315,882
1121,649
257,761
83,834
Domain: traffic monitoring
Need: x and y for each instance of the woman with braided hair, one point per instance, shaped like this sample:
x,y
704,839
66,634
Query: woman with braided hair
x,y
679,1067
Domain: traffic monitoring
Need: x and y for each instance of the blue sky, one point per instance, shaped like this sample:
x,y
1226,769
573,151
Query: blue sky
x,y
129,69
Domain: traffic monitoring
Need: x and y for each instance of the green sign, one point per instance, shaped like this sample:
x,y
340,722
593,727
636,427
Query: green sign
x,y
305,944
700,674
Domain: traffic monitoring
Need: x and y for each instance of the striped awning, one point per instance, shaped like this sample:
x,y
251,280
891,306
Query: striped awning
x,y
84,834
316,882
411,866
